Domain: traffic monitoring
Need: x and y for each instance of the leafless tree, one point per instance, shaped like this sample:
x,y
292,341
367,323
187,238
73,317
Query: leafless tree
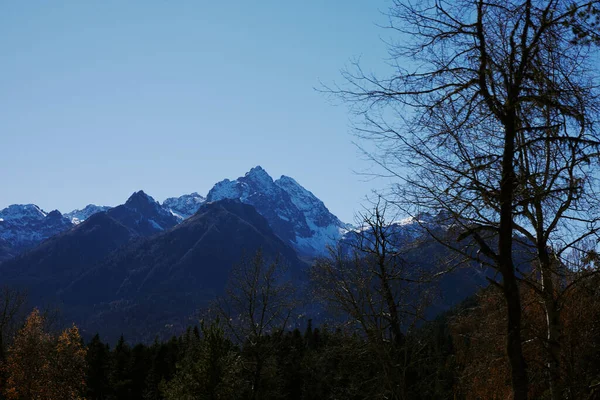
x,y
369,282
490,118
12,314
258,302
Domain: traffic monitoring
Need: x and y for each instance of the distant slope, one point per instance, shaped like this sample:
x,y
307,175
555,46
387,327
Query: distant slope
x,y
108,277
194,258
55,263
78,216
23,226
51,266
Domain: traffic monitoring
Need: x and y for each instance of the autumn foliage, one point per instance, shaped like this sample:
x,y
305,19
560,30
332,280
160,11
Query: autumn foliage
x,y
479,336
43,366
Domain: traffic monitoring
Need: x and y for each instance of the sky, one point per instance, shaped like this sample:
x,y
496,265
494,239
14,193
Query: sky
x,y
99,99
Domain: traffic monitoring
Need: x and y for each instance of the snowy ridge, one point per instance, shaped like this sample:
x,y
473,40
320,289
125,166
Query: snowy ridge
x,y
403,231
295,214
78,216
22,212
25,225
184,206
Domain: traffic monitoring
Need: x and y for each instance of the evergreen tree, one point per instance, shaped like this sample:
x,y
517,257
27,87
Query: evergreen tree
x,y
120,372
98,360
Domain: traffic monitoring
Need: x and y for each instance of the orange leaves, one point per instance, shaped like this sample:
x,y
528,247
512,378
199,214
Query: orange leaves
x,y
43,366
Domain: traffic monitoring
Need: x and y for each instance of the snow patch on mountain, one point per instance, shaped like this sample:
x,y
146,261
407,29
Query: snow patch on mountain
x,y
185,206
25,225
403,231
78,216
24,212
141,207
295,214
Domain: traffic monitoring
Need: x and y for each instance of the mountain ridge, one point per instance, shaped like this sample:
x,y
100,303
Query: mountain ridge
x,y
297,216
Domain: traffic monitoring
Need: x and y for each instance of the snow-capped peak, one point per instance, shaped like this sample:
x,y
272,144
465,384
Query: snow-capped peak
x,y
20,211
260,176
184,206
25,225
308,203
255,182
78,216
295,214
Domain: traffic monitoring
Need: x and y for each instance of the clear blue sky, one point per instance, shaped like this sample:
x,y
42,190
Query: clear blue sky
x,y
102,98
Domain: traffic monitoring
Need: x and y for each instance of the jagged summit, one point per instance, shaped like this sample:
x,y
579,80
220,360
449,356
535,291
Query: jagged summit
x,y
295,214
143,214
259,175
184,206
54,214
25,225
139,198
78,216
20,211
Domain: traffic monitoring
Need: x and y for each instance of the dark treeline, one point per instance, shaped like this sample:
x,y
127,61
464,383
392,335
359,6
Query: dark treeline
x,y
318,363
458,355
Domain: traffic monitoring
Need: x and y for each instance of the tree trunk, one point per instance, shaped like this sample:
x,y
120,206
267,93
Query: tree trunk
x,y
514,348
553,327
256,379
513,344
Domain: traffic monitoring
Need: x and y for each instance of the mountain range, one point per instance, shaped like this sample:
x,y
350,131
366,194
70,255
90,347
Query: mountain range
x,y
144,268
295,214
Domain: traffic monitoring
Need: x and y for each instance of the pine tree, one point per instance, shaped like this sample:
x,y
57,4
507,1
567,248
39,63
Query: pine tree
x,y
98,359
120,373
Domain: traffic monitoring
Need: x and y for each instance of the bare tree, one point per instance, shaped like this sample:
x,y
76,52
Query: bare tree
x,y
12,315
259,302
369,282
492,85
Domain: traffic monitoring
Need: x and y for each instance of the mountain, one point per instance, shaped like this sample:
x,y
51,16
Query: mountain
x,y
143,215
297,216
78,216
6,250
23,226
64,256
56,262
109,278
184,206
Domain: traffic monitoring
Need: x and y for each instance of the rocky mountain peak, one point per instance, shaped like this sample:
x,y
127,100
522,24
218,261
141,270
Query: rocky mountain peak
x,y
140,198
296,215
78,216
184,206
22,211
25,225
